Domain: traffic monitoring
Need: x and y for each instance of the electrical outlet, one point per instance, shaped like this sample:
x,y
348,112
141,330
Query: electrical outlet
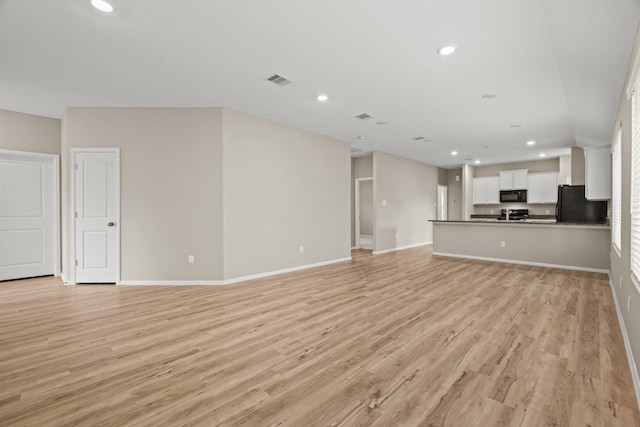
x,y
503,244
191,259
384,203
491,210
301,249
629,304
396,236
547,211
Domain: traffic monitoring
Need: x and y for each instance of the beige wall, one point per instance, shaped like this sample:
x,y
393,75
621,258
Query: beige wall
x,y
171,187
564,176
584,247
454,194
468,173
361,167
411,190
366,208
547,165
626,291
24,132
283,188
577,166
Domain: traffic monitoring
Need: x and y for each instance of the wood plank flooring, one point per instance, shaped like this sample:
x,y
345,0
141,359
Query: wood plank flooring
x,y
400,339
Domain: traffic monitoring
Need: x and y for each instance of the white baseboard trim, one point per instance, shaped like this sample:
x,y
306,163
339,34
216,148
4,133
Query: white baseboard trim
x,y
402,248
627,342
354,247
170,282
285,270
513,261
228,281
64,280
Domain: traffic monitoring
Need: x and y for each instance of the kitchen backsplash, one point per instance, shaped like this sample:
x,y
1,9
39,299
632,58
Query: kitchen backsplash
x,y
533,209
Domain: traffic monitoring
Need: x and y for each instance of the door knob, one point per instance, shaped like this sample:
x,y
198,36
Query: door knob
x,y
111,224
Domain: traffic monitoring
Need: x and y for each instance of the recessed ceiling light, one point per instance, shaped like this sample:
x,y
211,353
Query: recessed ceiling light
x,y
446,50
516,125
454,153
477,162
543,155
322,98
102,6
531,142
489,95
360,137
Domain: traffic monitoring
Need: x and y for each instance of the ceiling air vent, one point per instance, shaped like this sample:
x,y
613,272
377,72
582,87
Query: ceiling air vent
x,y
419,138
278,80
355,150
364,116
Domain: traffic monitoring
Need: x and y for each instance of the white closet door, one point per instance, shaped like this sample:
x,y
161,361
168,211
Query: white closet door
x,y
26,216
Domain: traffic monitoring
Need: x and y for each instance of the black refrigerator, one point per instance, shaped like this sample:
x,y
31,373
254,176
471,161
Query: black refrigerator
x,y
574,207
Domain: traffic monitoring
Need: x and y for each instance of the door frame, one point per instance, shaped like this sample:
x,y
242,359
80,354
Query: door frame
x,y
55,170
72,206
357,213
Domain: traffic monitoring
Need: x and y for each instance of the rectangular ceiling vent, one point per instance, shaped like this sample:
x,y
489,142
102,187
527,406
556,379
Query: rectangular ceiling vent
x,y
355,150
278,80
364,116
419,138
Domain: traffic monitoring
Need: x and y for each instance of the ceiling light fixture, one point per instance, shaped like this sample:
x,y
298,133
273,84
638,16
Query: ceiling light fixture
x,y
531,142
102,6
446,50
322,98
543,155
454,153
477,162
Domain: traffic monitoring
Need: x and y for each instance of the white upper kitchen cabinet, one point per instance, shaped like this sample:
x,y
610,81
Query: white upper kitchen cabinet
x,y
597,173
514,180
486,190
543,188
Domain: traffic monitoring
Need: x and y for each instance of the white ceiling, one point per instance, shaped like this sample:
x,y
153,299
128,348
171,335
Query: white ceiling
x,y
557,67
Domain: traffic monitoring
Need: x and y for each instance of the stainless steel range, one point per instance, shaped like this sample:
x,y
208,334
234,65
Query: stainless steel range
x,y
514,214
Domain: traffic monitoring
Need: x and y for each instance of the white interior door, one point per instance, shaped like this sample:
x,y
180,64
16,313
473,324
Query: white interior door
x,y
27,215
97,199
442,202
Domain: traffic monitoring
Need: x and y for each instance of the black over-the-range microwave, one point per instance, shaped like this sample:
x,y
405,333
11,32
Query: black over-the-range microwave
x,y
507,196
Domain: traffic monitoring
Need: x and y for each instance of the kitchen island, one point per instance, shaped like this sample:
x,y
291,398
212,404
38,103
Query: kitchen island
x,y
578,246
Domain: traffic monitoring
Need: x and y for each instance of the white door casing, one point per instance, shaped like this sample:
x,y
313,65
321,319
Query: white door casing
x,y
29,215
96,215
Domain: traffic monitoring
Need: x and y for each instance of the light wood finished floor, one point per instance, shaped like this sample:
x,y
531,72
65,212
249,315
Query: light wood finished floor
x,y
399,339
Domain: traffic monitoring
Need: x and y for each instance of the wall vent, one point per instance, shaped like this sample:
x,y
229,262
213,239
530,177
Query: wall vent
x,y
364,116
278,80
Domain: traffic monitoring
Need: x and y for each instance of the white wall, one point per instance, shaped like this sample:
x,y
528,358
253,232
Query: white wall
x,y
283,188
410,190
